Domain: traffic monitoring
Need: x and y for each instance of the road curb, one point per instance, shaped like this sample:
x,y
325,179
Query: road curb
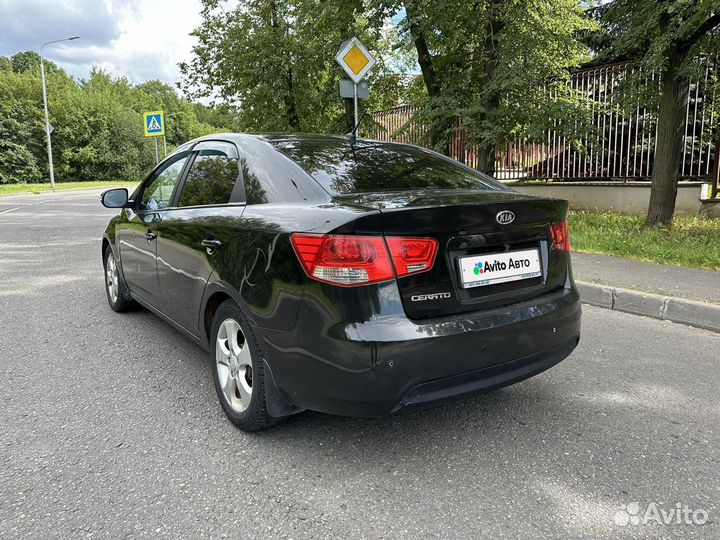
x,y
666,308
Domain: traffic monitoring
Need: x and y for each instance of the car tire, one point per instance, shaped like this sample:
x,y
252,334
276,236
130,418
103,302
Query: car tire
x,y
117,294
237,368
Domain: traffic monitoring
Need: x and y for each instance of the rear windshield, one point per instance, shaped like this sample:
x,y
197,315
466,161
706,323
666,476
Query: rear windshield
x,y
371,167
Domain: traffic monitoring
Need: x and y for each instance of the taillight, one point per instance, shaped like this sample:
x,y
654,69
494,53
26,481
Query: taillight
x,y
560,234
412,255
343,260
360,260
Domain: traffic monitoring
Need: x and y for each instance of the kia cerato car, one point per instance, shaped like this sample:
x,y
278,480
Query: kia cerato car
x,y
345,276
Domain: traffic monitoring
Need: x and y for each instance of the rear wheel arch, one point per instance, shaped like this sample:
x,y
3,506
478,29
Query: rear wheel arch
x,y
211,306
216,292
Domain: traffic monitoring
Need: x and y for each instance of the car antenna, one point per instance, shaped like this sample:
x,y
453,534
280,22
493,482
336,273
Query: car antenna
x,y
352,136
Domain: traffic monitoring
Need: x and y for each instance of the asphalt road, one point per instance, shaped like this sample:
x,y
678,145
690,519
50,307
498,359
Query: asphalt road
x,y
109,426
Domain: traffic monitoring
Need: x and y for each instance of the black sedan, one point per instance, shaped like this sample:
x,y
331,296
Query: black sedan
x,y
345,276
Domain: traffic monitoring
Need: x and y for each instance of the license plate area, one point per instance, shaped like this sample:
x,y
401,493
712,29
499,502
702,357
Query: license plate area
x,y
502,267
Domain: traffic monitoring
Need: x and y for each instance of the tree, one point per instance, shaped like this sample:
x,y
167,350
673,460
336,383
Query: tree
x,y
17,163
668,36
98,123
22,136
484,61
222,116
275,62
26,61
501,66
256,56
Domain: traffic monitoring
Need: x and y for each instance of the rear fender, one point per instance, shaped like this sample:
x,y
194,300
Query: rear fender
x,y
277,402
217,286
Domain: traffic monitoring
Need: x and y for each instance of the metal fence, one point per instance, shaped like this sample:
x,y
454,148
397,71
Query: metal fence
x,y
622,146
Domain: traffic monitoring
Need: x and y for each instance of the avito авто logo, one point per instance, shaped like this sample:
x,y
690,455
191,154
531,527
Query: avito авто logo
x,y
494,266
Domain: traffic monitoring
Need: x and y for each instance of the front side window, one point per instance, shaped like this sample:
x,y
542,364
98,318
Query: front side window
x,y
158,192
211,179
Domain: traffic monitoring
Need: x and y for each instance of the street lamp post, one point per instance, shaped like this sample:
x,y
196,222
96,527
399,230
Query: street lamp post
x,y
47,121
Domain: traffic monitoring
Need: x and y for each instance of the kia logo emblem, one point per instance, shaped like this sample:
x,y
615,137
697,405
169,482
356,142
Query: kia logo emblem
x,y
505,217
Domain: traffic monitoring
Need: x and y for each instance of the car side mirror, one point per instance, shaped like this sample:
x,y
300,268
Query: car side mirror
x,y
115,198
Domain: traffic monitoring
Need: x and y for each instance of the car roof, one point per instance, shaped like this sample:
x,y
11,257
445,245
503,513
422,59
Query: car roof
x,y
277,137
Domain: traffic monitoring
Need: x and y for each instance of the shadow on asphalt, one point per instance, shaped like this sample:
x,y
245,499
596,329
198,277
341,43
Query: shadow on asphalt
x,y
493,411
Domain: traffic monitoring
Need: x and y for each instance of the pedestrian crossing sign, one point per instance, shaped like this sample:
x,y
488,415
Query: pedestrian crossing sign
x,y
154,124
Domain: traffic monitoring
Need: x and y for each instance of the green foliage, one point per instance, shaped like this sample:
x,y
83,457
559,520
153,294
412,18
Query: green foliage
x,y
648,30
503,66
650,33
492,57
277,59
223,116
690,241
98,123
17,164
673,39
23,62
20,130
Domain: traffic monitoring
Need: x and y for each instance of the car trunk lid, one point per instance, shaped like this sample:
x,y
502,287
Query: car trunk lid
x,y
475,233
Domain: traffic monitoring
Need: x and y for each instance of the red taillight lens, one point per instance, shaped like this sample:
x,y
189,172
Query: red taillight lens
x,y
360,260
560,234
412,255
343,260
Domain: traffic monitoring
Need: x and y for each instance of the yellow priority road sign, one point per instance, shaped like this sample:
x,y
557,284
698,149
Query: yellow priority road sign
x,y
355,59
154,123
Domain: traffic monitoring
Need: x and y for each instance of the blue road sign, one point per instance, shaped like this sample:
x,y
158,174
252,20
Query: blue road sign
x,y
154,124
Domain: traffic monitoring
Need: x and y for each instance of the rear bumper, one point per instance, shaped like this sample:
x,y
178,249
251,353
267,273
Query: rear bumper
x,y
382,364
480,381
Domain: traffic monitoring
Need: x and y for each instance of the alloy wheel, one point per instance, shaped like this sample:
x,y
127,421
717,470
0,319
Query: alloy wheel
x,y
112,278
234,365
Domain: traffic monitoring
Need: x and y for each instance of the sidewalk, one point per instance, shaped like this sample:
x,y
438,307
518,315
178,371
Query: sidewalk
x,y
684,295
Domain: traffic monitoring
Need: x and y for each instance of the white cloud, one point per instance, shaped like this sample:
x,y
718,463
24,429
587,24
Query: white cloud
x,y
137,39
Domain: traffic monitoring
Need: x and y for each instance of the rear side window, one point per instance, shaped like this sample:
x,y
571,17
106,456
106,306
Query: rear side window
x,y
211,179
270,177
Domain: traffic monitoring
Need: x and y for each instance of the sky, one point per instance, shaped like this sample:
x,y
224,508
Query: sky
x,y
137,39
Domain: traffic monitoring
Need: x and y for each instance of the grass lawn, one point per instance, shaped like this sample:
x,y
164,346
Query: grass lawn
x,y
15,189
690,241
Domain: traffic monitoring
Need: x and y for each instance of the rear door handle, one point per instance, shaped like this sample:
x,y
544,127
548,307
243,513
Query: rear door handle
x,y
210,245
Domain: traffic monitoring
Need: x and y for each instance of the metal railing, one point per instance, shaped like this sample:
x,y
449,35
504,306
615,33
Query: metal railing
x,y
620,145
